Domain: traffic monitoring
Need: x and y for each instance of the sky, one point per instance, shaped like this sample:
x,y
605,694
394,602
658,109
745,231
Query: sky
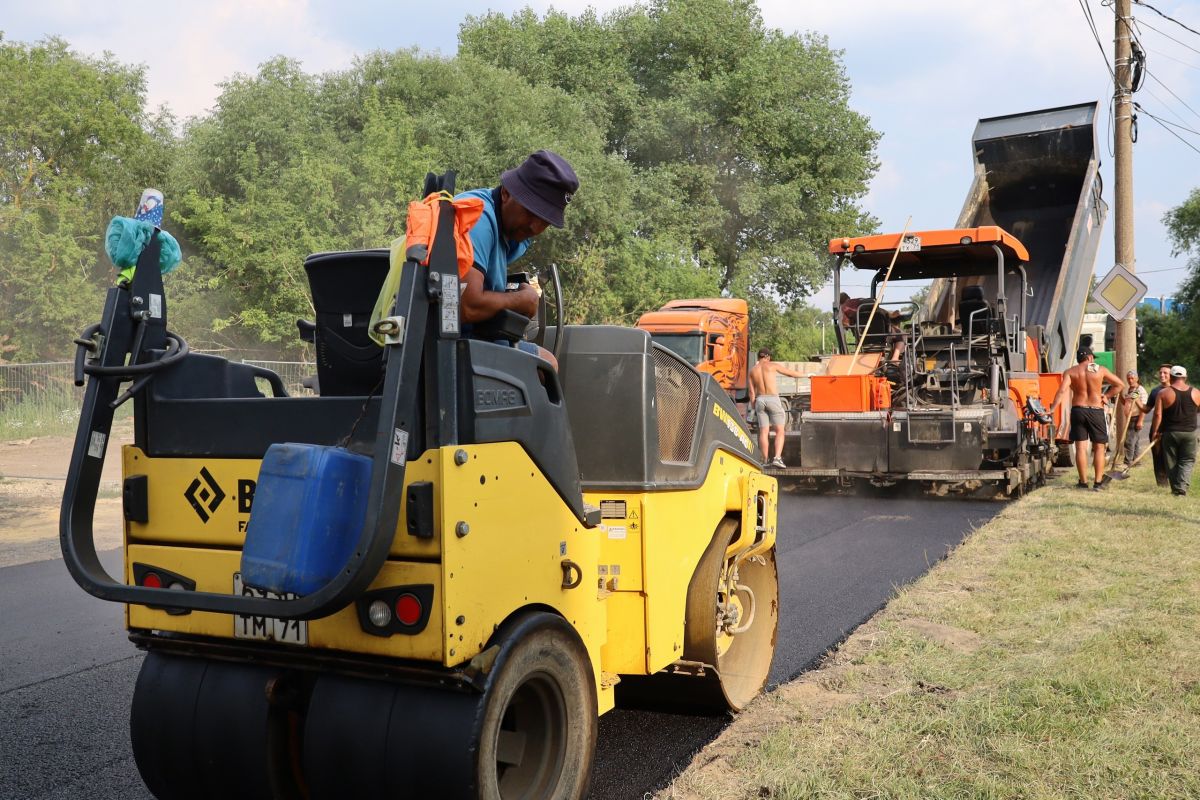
x,y
923,71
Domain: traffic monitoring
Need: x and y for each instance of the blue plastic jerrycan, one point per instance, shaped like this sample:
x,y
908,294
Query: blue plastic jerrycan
x,y
309,508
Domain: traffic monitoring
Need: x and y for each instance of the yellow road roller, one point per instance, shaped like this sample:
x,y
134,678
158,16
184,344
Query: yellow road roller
x,y
429,579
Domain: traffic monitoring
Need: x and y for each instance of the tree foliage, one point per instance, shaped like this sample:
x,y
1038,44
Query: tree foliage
x,y
1175,338
743,144
716,156
76,147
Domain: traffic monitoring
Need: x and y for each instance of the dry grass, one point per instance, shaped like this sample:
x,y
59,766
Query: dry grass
x,y
1056,654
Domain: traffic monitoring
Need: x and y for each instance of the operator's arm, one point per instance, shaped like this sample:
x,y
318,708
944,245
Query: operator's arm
x,y
791,373
753,393
479,304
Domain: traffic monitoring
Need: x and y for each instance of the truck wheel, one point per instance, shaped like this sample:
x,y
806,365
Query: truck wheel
x,y
538,729
734,631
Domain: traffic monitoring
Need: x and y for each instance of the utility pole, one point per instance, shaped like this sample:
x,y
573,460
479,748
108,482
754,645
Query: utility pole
x,y
1126,340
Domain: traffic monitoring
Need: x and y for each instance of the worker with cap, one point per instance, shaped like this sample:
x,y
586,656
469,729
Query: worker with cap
x,y
1133,399
1175,411
530,198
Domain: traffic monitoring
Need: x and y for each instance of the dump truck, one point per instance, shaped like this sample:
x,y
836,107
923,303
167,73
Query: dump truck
x,y
711,334
429,580
1036,177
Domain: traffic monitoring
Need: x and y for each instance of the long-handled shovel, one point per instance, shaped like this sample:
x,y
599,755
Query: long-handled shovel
x,y
1120,476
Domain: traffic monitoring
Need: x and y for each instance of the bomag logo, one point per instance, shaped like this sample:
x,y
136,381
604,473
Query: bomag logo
x,y
734,427
204,494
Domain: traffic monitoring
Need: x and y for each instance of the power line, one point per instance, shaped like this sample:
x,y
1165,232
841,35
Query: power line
x,y
1167,128
1169,36
1177,97
1166,105
1167,269
1187,64
1091,21
1165,121
1164,16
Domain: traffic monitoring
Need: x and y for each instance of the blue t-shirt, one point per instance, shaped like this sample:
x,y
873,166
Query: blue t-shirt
x,y
493,253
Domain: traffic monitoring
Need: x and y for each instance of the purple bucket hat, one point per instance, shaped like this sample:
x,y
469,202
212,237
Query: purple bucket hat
x,y
543,184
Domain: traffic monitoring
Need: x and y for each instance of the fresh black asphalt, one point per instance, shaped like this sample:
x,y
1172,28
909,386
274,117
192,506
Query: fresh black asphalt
x,y
67,671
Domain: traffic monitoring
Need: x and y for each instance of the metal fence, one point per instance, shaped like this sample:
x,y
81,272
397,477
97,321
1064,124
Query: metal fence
x,y
292,373
38,384
42,398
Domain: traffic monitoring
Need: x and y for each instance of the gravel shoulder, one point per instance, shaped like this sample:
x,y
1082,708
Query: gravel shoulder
x,y
32,476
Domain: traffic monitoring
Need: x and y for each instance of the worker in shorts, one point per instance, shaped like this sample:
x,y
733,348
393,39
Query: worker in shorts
x,y
1085,381
768,408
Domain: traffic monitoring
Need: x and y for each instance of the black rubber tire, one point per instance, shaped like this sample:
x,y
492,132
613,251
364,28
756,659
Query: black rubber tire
x,y
540,709
367,739
205,730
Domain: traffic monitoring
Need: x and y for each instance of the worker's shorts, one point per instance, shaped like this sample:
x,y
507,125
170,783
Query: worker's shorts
x,y
769,410
1088,423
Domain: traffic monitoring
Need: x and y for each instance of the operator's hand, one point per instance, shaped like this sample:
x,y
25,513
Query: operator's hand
x,y
533,281
525,300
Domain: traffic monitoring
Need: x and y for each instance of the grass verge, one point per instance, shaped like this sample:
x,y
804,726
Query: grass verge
x,y
1056,654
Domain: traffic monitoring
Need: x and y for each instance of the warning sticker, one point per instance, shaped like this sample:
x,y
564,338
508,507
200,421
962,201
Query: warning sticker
x,y
612,509
616,531
96,444
399,446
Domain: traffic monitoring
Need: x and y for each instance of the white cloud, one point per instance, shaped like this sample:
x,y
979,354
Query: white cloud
x,y
191,47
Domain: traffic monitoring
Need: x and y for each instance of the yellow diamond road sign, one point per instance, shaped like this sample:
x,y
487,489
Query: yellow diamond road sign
x,y
1119,292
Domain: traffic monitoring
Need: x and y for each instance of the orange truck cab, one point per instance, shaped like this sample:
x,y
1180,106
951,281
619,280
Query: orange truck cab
x,y
712,334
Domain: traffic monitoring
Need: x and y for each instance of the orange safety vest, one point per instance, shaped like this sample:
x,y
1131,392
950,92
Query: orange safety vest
x,y
423,223
417,244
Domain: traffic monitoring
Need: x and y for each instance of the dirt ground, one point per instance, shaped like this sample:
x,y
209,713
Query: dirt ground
x,y
32,475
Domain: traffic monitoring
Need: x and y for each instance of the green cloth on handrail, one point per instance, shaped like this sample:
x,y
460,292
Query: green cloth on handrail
x,y
125,240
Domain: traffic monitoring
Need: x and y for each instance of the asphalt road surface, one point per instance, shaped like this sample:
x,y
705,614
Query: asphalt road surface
x,y
67,671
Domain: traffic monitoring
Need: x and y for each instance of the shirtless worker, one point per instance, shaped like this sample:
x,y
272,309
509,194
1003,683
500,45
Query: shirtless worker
x,y
1086,382
764,398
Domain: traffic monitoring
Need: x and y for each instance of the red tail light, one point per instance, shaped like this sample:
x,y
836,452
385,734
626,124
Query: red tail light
x,y
408,609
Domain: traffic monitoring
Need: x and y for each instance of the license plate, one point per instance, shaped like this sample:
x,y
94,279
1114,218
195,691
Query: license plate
x,y
267,629
910,244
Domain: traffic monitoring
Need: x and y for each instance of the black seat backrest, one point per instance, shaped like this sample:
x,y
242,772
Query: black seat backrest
x,y
972,300
344,289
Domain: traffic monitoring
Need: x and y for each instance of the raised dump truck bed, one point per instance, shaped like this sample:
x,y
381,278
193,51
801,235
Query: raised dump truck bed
x,y
1037,177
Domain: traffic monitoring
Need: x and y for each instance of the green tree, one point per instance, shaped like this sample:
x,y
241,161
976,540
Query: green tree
x,y
1175,338
744,146
355,147
76,147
